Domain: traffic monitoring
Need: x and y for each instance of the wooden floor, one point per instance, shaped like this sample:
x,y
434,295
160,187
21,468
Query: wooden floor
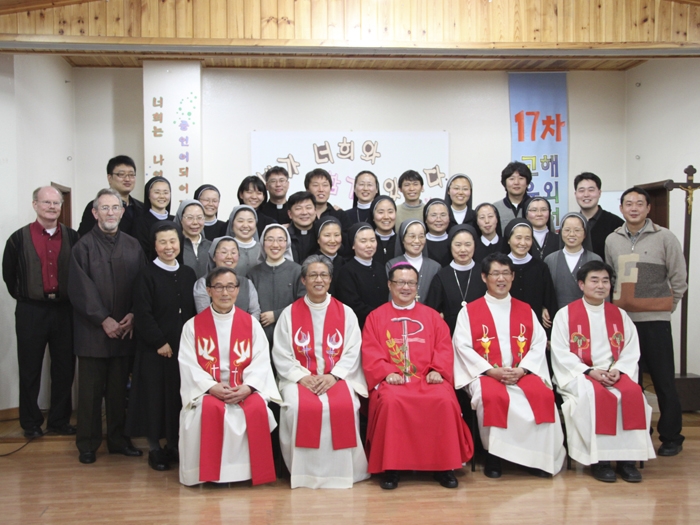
x,y
44,483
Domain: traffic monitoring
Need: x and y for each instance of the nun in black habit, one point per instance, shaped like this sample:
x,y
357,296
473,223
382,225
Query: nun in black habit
x,y
361,282
366,189
545,239
459,282
163,303
533,282
436,218
213,227
156,207
459,196
488,229
329,235
382,218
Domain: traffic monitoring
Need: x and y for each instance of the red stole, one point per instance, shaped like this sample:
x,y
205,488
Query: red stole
x,y
632,399
310,411
213,409
485,342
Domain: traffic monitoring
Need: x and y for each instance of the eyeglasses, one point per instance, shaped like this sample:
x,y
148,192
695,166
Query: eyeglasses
x,y
273,240
193,217
438,216
123,175
568,231
219,288
114,208
496,275
273,182
413,237
401,284
324,276
50,203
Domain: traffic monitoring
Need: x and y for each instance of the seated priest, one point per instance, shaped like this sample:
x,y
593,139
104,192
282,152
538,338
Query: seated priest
x,y
595,351
316,353
415,422
500,361
226,383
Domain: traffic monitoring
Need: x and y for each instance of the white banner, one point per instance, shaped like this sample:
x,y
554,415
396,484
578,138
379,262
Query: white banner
x,y
345,154
172,120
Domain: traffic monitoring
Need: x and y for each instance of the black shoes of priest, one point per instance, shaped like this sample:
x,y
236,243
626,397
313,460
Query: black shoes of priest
x,y
390,480
628,472
157,460
603,471
492,468
127,451
33,432
87,457
670,449
446,478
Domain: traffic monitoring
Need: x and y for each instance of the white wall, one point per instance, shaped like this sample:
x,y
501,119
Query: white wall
x,y
663,130
109,122
9,395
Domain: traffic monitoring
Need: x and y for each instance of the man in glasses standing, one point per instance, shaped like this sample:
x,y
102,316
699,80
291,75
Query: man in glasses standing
x,y
317,357
415,422
121,177
35,269
103,268
500,361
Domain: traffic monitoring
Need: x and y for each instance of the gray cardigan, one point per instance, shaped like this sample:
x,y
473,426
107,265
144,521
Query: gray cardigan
x,y
199,262
565,283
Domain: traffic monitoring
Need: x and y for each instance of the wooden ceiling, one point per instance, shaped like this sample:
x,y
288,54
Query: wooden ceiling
x,y
522,35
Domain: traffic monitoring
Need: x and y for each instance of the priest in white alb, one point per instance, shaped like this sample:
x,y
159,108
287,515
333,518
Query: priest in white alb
x,y
595,351
226,383
316,352
500,360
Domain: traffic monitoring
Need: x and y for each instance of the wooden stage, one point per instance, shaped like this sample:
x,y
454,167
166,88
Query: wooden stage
x,y
44,483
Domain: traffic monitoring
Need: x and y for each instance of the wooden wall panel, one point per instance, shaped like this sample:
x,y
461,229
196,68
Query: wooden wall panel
x,y
414,22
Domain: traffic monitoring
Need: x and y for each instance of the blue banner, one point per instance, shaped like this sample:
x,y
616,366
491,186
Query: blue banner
x,y
539,134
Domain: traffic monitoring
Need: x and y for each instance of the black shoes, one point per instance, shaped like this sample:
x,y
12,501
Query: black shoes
x,y
127,451
492,468
628,472
537,472
668,449
87,457
390,480
33,432
603,471
63,430
157,460
447,479
172,455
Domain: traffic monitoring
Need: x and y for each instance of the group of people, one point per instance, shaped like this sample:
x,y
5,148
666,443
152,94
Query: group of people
x,y
204,335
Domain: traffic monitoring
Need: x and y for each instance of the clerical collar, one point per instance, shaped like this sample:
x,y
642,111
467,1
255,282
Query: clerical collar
x,y
495,300
279,206
211,222
486,242
463,267
303,232
159,216
274,263
517,260
363,262
385,237
408,307
363,206
318,306
166,267
435,238
248,244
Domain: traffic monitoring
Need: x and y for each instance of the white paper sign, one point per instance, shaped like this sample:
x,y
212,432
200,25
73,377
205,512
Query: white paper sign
x,y
345,154
172,109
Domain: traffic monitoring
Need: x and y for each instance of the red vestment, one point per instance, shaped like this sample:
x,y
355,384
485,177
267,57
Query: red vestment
x,y
414,426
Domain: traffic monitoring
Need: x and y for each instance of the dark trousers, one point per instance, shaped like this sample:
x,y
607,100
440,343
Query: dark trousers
x,y
100,377
656,345
37,324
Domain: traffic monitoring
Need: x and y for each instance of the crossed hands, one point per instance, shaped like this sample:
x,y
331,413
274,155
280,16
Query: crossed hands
x,y
230,395
319,385
506,375
119,330
606,377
